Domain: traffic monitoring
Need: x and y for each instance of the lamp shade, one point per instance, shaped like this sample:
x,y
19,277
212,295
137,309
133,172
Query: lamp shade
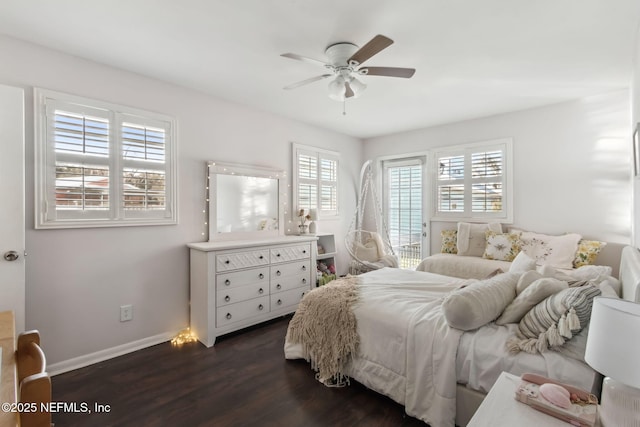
x,y
337,89
613,343
357,87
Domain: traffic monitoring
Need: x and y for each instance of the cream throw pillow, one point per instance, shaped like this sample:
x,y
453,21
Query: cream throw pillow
x,y
527,279
471,237
529,297
522,263
476,305
367,252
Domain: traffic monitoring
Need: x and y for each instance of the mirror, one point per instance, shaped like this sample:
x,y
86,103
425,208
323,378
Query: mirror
x,y
245,201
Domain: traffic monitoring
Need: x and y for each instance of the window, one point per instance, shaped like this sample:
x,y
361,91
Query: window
x,y
474,181
315,180
100,165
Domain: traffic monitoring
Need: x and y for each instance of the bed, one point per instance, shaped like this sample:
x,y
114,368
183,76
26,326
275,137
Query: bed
x,y
444,374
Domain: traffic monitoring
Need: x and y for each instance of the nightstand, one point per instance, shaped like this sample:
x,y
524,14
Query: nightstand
x,y
500,408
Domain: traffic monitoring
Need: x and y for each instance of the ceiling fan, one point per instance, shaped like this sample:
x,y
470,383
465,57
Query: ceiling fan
x,y
345,60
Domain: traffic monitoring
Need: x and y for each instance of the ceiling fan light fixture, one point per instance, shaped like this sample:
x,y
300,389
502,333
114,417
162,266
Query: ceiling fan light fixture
x,y
357,87
337,89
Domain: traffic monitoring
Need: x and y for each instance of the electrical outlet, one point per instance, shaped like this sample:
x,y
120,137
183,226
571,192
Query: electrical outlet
x,y
126,313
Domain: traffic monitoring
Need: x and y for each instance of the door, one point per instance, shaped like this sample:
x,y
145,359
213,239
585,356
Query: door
x,y
12,230
404,201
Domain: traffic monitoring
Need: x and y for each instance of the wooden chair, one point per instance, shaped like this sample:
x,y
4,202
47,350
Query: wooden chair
x,y
34,382
29,356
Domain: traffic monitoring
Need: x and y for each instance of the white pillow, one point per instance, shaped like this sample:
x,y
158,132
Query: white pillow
x,y
522,263
471,237
608,288
367,252
476,305
529,298
526,279
556,251
590,272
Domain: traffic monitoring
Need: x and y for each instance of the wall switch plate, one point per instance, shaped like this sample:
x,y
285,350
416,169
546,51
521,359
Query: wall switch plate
x,y
126,313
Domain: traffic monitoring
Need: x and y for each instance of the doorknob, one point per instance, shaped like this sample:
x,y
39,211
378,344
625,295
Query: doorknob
x,y
11,256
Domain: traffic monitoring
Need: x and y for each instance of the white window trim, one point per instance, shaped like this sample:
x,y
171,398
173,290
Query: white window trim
x,y
507,180
45,158
319,153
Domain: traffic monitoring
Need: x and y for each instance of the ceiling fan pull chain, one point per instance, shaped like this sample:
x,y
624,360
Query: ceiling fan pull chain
x,y
344,107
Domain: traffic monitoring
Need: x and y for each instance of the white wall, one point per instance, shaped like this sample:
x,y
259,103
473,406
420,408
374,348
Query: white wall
x,y
571,164
77,279
635,120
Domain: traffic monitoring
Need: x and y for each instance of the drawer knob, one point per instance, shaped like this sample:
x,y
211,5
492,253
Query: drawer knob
x,y
303,294
278,255
227,298
279,302
261,276
227,262
261,257
304,281
304,268
260,307
304,251
227,282
278,286
229,316
278,273
261,291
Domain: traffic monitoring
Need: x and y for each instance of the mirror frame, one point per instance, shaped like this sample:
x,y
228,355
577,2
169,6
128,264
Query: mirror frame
x,y
214,169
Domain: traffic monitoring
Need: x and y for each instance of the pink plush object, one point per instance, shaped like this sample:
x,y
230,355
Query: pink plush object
x,y
332,269
556,394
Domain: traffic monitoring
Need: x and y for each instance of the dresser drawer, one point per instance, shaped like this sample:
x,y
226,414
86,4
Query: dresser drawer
x,y
290,282
245,259
290,269
290,253
287,298
240,311
236,294
241,278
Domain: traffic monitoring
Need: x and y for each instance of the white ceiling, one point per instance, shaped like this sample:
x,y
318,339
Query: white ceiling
x,y
474,58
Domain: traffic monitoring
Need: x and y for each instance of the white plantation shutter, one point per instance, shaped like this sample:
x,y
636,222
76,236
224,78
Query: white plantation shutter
x,y
99,164
315,180
328,186
144,149
307,173
472,181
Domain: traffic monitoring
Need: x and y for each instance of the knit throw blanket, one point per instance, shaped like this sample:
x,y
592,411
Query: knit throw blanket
x,y
325,325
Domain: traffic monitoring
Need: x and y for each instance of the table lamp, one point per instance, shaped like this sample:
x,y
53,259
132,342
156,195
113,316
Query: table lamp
x,y
613,349
313,214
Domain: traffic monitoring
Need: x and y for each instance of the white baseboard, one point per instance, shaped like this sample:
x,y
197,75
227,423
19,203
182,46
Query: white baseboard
x,y
108,353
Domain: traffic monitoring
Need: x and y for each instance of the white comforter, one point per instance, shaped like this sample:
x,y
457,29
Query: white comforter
x,y
416,362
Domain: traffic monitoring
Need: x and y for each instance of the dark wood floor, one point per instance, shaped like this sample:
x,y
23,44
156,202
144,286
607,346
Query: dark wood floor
x,y
243,380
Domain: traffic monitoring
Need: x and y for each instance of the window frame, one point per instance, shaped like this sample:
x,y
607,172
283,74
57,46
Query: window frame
x,y
47,101
319,154
505,145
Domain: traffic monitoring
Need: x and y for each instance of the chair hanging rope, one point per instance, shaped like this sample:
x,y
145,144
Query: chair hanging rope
x,y
369,250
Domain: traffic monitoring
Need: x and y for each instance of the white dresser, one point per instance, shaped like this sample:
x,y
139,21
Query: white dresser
x,y
235,284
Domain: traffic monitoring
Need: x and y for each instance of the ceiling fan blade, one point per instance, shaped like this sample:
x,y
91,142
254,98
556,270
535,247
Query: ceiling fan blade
x,y
305,59
388,71
307,81
374,46
348,92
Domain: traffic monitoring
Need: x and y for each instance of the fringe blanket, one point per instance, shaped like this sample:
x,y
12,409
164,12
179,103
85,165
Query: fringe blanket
x,y
325,325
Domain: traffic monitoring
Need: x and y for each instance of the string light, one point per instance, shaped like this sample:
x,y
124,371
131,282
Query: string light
x,y
183,337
